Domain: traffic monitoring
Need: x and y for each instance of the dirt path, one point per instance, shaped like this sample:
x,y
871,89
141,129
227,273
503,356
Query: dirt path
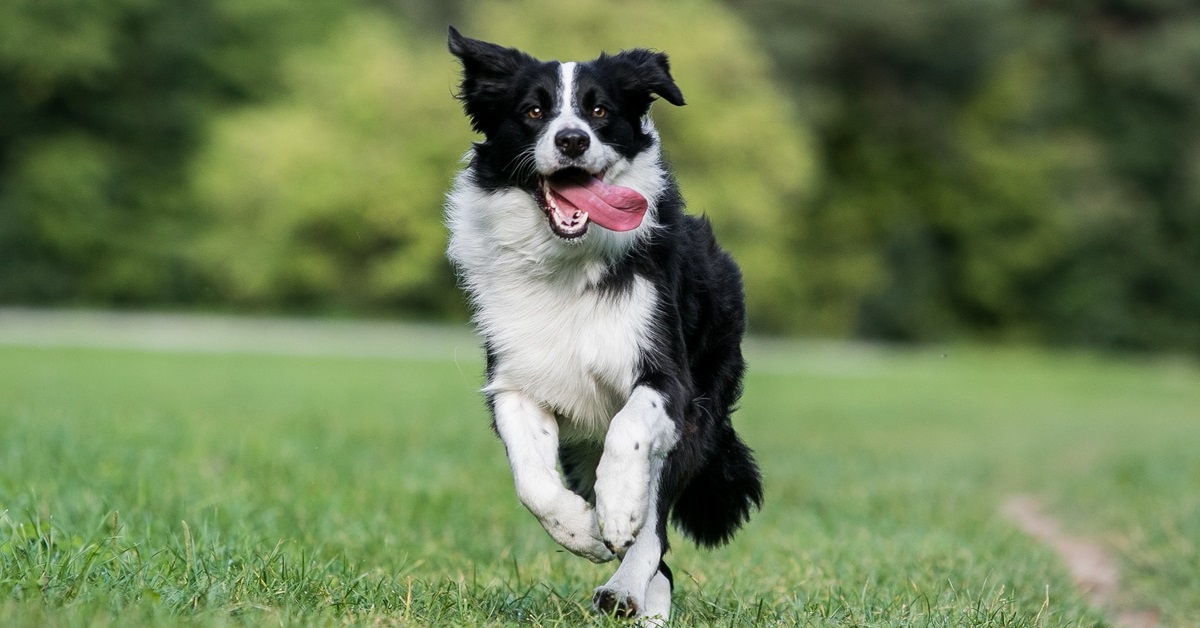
x,y
1092,569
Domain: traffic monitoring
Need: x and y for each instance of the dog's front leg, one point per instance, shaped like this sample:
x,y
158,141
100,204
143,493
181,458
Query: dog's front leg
x,y
639,438
530,435
628,510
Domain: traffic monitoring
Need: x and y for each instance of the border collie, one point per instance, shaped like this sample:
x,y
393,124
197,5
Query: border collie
x,y
612,321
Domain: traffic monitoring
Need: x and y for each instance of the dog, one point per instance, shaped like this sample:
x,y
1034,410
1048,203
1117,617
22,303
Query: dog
x,y
611,320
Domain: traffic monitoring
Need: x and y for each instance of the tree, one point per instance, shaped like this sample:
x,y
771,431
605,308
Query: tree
x,y
1131,277
330,198
336,191
999,170
101,107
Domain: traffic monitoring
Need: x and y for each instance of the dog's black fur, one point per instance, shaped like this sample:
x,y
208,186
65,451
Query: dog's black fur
x,y
709,482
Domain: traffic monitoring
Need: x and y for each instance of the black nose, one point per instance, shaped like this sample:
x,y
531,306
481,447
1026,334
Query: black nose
x,y
572,142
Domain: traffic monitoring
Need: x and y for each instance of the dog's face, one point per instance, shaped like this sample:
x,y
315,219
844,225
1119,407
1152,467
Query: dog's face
x,y
564,132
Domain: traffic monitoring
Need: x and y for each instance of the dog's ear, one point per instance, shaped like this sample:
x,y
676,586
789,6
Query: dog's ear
x,y
488,71
641,74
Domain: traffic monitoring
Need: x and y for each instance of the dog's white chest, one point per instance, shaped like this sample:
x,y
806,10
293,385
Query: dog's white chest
x,y
576,351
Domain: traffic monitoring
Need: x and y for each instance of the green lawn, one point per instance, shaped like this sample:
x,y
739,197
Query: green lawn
x,y
141,487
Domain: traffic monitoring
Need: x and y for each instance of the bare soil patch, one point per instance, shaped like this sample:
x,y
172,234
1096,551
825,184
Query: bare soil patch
x,y
1093,570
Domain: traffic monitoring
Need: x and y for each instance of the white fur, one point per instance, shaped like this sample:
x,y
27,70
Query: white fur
x,y
627,478
657,603
567,345
547,157
578,356
637,581
530,436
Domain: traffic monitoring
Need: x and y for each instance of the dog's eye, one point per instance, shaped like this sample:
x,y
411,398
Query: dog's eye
x,y
599,111
534,113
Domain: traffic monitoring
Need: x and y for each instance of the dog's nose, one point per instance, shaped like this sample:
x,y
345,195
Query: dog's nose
x,y
572,142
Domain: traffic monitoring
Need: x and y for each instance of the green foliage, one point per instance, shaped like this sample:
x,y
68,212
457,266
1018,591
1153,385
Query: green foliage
x,y
101,107
334,193
1131,279
330,196
999,170
996,170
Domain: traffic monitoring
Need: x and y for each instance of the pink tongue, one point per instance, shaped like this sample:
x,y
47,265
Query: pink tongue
x,y
610,206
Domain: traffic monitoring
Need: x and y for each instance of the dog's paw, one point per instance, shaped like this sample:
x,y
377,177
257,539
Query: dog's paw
x,y
622,501
620,525
591,548
615,603
572,524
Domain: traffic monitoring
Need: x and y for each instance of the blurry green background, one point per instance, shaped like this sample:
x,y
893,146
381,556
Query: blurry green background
x,y
995,170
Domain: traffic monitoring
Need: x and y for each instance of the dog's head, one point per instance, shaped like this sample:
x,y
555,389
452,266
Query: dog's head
x,y
568,133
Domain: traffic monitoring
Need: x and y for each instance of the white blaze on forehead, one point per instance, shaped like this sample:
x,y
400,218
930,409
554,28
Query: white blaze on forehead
x,y
596,158
566,92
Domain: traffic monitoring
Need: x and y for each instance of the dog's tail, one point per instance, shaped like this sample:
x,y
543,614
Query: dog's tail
x,y
717,501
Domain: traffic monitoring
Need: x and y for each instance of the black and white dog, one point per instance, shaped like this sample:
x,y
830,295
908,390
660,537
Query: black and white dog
x,y
612,320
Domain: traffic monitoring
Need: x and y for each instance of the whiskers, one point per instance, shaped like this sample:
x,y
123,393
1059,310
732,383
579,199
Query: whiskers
x,y
523,165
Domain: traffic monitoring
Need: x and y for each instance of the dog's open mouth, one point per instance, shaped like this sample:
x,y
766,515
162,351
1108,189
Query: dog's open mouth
x,y
572,197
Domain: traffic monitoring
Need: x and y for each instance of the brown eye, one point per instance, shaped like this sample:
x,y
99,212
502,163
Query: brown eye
x,y
534,113
599,111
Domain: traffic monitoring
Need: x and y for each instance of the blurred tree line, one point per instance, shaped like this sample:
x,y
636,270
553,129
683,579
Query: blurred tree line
x,y
1001,170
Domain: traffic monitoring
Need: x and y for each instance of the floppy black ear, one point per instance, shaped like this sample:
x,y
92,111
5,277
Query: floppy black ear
x,y
488,71
641,73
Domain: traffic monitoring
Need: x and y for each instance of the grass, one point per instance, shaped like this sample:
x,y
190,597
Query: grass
x,y
218,488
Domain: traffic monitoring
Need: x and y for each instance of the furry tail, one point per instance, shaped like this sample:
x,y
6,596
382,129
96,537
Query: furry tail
x,y
717,501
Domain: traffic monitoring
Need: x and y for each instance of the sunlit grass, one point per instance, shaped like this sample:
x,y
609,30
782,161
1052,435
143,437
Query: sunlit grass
x,y
159,487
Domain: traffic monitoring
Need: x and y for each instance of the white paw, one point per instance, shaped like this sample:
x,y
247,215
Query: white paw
x,y
619,526
621,502
572,524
